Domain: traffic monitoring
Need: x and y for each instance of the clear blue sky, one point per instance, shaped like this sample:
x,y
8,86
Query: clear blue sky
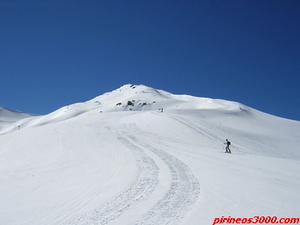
x,y
58,52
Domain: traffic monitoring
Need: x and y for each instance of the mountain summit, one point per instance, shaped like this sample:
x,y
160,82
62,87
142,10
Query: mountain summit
x,y
126,98
143,98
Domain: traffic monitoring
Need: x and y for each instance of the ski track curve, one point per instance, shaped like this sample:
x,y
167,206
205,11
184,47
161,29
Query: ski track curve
x,y
181,196
179,199
140,189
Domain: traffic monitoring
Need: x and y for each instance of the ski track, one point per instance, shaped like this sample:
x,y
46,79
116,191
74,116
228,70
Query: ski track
x,y
198,129
143,185
183,192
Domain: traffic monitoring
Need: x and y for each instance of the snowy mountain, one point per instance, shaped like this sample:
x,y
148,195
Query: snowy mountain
x,y
9,116
138,155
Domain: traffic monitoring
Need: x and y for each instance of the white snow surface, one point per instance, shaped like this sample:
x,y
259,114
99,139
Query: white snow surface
x,y
9,116
138,155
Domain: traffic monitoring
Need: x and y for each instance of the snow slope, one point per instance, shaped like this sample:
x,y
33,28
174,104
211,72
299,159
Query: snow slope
x,y
9,116
138,155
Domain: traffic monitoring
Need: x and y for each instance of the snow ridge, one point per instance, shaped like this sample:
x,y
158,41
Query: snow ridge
x,y
126,98
9,116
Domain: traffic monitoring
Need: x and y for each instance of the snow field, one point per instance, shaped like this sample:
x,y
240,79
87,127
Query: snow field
x,y
101,163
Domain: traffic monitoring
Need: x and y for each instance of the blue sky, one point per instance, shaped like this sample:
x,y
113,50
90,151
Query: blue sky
x,y
58,52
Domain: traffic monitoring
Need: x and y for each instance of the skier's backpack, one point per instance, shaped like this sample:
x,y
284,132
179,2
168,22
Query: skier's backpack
x,y
229,143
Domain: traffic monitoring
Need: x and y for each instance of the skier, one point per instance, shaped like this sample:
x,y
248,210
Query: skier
x,y
227,146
